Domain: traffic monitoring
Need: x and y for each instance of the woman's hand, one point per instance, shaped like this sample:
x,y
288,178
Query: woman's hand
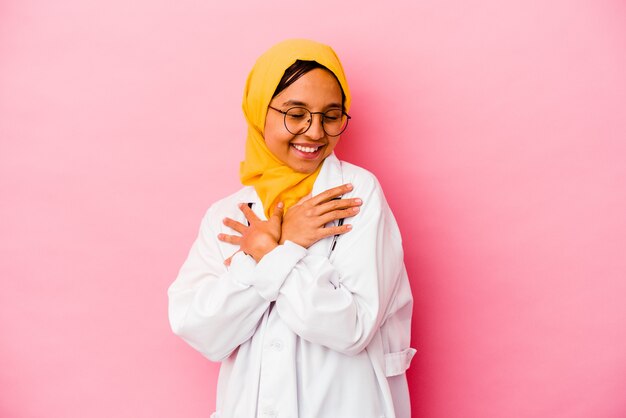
x,y
304,222
259,238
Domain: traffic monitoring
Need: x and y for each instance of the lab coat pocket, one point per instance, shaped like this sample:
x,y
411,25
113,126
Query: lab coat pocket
x,y
397,363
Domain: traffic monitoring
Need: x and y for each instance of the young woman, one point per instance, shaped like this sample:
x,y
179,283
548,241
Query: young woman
x,y
296,283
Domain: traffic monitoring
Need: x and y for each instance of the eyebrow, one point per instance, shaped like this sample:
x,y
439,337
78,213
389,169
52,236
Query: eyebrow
x,y
299,103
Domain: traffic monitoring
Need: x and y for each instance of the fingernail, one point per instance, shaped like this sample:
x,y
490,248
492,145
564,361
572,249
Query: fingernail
x,y
280,205
355,209
348,227
349,186
358,201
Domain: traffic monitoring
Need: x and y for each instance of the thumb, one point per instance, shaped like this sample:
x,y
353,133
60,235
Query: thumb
x,y
277,215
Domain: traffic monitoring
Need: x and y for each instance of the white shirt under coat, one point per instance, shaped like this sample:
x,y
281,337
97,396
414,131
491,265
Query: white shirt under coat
x,y
305,333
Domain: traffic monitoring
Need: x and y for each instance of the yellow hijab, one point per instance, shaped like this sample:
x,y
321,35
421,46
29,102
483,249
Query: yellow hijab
x,y
274,181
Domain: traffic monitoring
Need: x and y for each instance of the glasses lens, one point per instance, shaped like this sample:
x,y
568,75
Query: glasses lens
x,y
297,120
335,122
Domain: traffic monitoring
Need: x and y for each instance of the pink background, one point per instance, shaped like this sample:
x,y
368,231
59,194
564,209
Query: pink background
x,y
497,129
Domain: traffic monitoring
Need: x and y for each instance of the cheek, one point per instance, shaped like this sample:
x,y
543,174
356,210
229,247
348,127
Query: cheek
x,y
271,132
331,145
277,140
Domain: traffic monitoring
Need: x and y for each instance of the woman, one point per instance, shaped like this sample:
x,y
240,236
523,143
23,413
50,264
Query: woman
x,y
309,315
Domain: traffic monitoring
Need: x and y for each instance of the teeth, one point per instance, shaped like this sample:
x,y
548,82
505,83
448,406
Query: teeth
x,y
305,149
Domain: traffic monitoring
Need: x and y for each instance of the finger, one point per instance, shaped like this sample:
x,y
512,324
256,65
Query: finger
x,y
230,239
339,214
338,204
278,213
233,224
329,194
334,230
248,213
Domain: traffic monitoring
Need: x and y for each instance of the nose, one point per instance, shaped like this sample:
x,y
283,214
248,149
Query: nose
x,y
316,130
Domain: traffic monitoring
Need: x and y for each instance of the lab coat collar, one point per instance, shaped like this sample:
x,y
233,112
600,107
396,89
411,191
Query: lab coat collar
x,y
330,176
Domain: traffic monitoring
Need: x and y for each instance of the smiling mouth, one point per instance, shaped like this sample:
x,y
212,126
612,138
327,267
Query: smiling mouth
x,y
308,150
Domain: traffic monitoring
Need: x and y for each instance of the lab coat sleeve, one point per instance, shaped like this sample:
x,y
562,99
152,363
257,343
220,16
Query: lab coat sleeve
x,y
341,303
215,308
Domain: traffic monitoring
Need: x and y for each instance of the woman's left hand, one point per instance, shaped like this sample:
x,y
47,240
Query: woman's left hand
x,y
257,239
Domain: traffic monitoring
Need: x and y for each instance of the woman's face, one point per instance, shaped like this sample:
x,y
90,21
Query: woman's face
x,y
318,91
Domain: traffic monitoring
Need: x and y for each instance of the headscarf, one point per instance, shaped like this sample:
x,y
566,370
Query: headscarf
x,y
273,180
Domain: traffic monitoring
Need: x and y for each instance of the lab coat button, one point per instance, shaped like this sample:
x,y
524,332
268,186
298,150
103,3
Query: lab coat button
x,y
277,345
269,412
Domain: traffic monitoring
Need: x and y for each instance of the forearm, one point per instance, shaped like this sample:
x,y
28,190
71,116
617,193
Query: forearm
x,y
341,303
214,309
215,314
321,309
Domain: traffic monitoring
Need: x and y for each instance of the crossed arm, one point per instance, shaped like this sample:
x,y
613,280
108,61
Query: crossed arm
x,y
338,305
303,224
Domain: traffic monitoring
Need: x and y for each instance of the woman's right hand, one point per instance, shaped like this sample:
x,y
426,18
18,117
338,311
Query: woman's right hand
x,y
304,223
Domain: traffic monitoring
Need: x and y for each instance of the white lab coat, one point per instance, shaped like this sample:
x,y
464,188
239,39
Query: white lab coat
x,y
305,333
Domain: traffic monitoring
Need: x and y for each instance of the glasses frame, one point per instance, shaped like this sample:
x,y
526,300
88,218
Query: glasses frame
x,y
322,114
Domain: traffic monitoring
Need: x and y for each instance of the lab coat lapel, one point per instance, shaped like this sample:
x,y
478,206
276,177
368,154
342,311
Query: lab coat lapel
x,y
330,175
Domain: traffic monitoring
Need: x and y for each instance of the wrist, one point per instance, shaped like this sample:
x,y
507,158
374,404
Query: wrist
x,y
263,250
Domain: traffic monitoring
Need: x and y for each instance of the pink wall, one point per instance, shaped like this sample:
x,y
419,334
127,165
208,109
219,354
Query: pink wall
x,y
496,128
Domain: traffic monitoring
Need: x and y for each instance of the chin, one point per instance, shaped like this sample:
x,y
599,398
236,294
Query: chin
x,y
304,170
305,167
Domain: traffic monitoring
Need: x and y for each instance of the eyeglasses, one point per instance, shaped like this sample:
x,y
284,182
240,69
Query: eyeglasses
x,y
298,120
